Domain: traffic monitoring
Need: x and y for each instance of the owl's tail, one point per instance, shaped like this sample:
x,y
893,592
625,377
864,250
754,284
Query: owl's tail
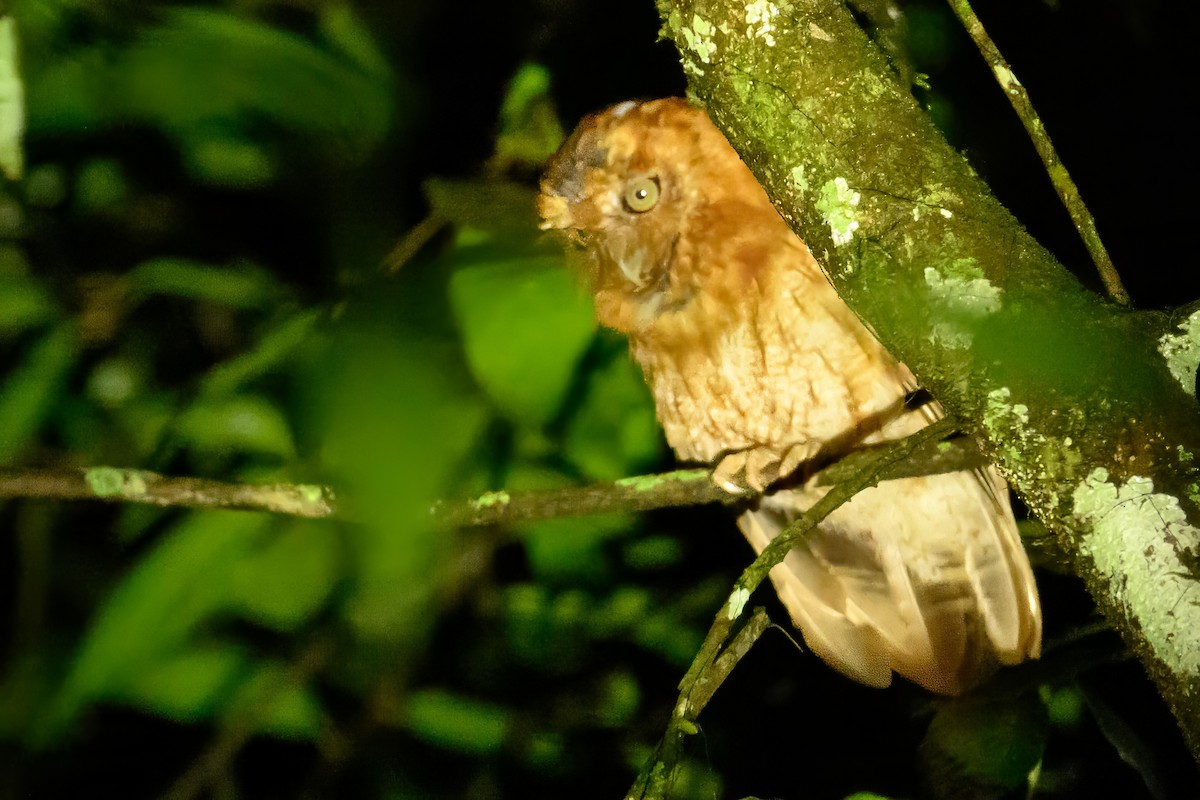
x,y
921,576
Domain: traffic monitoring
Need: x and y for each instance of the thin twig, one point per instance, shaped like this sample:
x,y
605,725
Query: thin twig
x,y
412,242
642,493
656,779
1068,192
113,484
730,656
702,678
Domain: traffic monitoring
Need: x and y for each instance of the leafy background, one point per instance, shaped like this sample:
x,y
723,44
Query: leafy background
x,y
292,240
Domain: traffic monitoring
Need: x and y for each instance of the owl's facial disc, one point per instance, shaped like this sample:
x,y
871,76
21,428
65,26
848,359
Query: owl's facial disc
x,y
609,193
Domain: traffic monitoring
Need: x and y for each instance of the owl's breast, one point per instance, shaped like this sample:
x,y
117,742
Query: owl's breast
x,y
790,365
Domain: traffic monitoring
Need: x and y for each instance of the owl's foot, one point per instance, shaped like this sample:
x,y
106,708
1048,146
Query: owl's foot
x,y
756,468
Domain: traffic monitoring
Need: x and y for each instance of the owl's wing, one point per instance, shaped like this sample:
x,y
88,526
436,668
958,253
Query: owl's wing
x,y
922,576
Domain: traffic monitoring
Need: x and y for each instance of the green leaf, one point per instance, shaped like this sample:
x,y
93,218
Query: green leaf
x,y
14,266
227,158
23,305
151,613
244,286
615,431
188,686
203,67
273,348
274,702
529,127
986,741
100,186
455,722
662,632
116,381
1064,706
46,185
289,576
572,550
525,325
342,27
398,422
528,628
28,393
552,631
12,102
621,612
545,751
145,420
242,424
619,697
653,552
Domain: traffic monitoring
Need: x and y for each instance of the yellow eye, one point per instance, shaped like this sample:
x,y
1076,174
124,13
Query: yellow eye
x,y
641,194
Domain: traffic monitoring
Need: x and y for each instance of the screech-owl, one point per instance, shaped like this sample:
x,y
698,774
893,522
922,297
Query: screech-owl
x,y
756,364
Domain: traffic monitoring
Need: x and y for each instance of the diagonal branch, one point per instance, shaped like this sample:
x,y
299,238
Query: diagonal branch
x,y
715,660
1068,192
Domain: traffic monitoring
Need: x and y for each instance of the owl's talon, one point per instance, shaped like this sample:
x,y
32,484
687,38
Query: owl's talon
x,y
796,455
762,468
756,469
730,486
727,474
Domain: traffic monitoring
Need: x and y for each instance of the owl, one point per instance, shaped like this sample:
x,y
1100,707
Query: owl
x,y
757,366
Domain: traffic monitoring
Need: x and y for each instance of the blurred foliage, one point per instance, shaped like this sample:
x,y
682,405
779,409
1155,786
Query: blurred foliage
x,y
191,281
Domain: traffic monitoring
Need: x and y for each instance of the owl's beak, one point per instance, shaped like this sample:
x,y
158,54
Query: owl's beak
x,y
565,182
633,267
554,210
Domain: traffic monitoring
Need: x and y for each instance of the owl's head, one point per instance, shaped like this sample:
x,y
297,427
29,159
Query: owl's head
x,y
620,165
625,186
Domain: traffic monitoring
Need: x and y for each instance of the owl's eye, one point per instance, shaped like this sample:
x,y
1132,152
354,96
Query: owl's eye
x,y
641,194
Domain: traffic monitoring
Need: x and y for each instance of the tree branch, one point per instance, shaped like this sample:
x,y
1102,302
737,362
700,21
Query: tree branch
x,y
642,493
113,484
1088,408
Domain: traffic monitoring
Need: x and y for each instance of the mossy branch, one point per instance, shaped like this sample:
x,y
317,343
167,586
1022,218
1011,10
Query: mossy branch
x,y
1087,407
643,493
113,484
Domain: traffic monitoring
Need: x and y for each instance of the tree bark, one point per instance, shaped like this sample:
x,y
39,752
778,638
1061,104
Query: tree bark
x,y
1087,407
